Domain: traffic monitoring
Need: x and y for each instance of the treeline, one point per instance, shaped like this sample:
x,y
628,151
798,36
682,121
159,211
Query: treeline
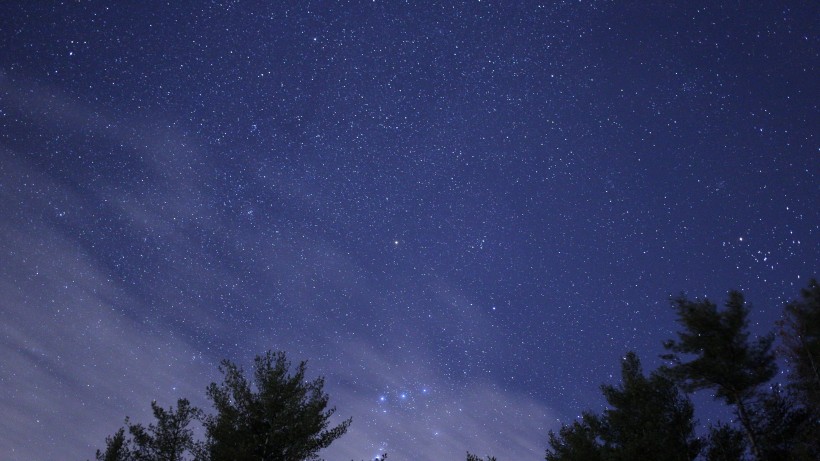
x,y
652,418
279,416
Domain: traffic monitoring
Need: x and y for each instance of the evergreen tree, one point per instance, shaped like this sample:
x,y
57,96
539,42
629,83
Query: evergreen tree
x,y
800,331
116,448
169,439
721,357
278,417
576,442
725,443
781,427
648,419
472,457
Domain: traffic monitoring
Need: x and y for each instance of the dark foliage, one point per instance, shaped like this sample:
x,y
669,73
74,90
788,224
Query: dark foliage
x,y
170,438
800,330
648,419
116,448
278,417
784,428
472,457
725,443
713,351
576,442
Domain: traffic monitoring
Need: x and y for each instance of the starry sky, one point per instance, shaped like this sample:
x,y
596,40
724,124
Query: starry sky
x,y
462,214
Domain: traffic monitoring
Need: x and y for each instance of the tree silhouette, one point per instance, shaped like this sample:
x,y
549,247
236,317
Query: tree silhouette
x,y
116,448
648,419
576,442
713,351
800,331
169,439
725,443
472,457
783,428
280,416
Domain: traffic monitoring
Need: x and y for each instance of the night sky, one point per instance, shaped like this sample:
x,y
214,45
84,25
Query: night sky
x,y
462,215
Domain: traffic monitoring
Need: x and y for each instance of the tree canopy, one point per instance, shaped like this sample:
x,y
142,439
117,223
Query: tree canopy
x,y
277,414
800,330
713,351
169,439
278,417
648,419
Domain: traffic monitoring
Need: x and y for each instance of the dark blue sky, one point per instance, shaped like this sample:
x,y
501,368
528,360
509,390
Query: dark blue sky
x,y
462,215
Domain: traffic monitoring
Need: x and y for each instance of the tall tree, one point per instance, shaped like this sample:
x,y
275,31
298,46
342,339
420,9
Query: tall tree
x,y
170,438
800,331
278,417
713,351
648,419
576,442
783,428
725,443
116,448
